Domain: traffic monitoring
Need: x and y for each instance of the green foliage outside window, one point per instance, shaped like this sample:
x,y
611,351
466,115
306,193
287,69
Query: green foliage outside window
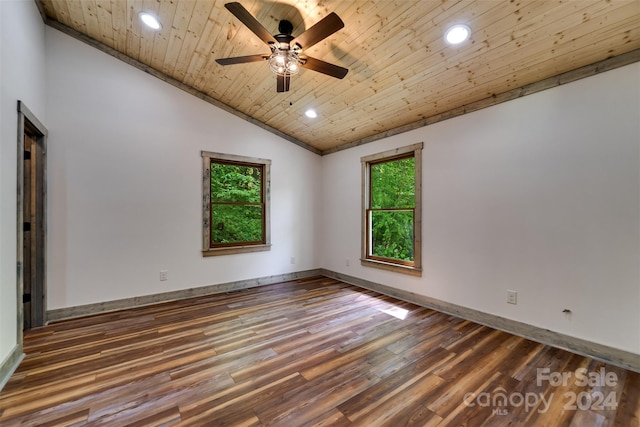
x,y
392,207
237,208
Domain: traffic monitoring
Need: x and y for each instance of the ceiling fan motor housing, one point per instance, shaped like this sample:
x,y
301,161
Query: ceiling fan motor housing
x,y
285,27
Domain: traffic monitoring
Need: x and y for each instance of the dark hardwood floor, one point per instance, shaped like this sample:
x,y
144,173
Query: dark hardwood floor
x,y
309,352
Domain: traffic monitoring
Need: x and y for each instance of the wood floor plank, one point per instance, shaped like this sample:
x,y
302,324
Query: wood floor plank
x,y
303,404
377,395
628,410
59,420
414,392
236,399
355,354
310,352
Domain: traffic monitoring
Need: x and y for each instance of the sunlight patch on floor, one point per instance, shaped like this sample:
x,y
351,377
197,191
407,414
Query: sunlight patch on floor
x,y
397,312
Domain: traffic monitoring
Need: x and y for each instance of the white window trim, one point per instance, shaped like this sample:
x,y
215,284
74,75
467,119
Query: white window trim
x,y
416,269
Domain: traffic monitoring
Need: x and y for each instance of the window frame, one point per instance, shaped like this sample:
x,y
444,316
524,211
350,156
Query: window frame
x,y
367,259
242,247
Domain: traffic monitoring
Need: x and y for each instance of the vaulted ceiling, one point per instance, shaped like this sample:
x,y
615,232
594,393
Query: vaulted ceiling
x,y
402,74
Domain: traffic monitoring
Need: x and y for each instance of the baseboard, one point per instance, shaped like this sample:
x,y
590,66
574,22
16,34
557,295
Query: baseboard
x,y
607,354
122,304
614,356
10,364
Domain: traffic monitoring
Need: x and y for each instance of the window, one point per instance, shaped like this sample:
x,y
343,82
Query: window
x,y
391,210
235,204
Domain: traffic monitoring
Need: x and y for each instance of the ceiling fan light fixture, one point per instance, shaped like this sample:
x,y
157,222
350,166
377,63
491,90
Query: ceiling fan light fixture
x,y
286,57
284,62
457,34
150,20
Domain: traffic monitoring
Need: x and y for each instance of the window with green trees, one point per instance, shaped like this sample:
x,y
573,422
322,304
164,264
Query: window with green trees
x,y
392,208
236,205
391,214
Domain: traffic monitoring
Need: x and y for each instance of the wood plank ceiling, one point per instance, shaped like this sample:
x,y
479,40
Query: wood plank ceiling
x,y
401,70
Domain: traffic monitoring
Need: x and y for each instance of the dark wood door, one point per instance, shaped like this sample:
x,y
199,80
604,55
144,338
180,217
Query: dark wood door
x,y
33,235
26,236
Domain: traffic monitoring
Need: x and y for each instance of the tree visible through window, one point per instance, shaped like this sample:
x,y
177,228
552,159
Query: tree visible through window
x,y
236,204
391,209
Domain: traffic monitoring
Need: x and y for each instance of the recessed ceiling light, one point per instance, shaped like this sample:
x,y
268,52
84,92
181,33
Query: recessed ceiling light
x,y
457,34
150,20
311,113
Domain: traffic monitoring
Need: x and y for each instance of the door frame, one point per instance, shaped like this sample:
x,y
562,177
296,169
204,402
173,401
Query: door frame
x,y
27,122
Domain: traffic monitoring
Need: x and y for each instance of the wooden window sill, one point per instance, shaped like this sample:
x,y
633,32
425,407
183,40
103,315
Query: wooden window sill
x,y
236,250
404,269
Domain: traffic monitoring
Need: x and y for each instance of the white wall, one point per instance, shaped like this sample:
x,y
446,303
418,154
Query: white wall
x,y
21,78
540,195
125,183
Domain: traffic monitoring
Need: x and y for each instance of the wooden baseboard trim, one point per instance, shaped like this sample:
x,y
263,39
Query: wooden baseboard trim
x,y
10,364
122,304
621,358
614,356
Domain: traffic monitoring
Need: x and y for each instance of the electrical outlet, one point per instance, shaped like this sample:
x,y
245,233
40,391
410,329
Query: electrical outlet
x,y
163,275
348,262
293,260
512,297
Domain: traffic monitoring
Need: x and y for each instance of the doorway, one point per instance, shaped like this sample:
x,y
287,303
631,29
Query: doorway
x,y
31,252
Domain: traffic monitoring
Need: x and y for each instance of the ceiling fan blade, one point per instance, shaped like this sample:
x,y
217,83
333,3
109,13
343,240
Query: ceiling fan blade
x,y
284,82
324,67
242,59
321,30
251,23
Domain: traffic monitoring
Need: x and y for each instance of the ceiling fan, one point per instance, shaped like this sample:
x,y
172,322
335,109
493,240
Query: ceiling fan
x,y
286,56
